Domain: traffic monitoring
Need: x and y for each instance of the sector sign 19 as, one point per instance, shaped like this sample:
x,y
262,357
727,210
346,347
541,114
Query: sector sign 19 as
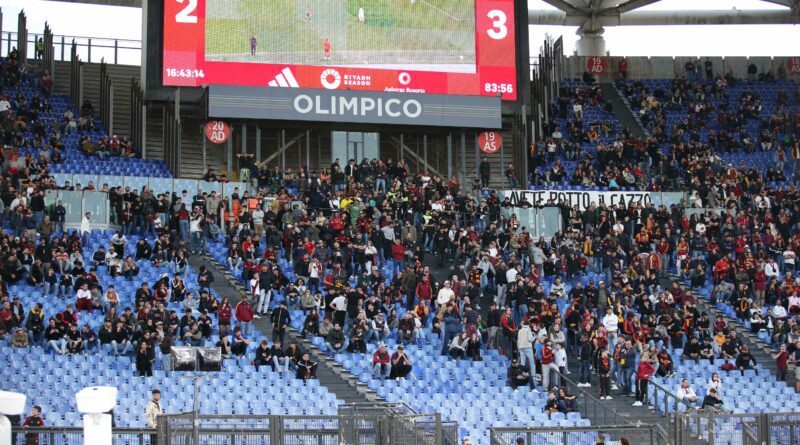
x,y
490,142
454,47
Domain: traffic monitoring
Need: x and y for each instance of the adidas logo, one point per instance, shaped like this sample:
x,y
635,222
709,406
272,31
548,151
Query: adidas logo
x,y
284,80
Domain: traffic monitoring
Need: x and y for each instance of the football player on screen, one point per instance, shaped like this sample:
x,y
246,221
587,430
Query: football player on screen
x,y
253,44
308,14
326,48
361,15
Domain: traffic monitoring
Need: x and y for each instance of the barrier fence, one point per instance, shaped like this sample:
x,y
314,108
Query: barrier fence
x,y
376,426
714,428
639,435
157,185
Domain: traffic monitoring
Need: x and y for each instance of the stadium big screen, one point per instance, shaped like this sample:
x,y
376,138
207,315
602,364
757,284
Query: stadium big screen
x,y
458,47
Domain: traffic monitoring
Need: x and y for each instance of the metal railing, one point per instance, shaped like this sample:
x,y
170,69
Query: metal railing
x,y
639,435
74,435
591,407
746,428
368,426
95,49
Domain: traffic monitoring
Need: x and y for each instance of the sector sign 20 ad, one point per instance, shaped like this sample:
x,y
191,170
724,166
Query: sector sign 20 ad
x,y
460,47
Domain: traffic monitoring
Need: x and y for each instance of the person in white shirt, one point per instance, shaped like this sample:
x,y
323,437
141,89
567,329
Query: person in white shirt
x,y
5,105
715,383
560,359
788,260
152,411
83,299
611,323
511,274
256,295
778,311
772,270
578,110
258,222
558,288
700,228
525,341
370,251
86,228
339,306
686,394
445,294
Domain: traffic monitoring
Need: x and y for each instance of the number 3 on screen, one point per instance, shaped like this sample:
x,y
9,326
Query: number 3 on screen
x,y
499,30
185,15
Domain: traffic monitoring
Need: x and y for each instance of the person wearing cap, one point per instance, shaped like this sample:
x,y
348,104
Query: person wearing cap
x,y
445,295
379,330
401,365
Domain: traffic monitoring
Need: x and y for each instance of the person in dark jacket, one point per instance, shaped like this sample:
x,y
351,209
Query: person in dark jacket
x,y
585,379
144,360
280,320
336,340
452,326
518,375
306,369
263,356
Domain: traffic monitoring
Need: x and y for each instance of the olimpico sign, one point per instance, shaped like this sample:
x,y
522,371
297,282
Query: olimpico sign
x,y
357,106
360,107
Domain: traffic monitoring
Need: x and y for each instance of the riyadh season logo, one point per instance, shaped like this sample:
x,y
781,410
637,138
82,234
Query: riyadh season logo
x,y
330,79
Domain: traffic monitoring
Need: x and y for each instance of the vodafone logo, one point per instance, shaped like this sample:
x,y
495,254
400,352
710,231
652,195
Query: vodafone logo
x,y
404,78
330,79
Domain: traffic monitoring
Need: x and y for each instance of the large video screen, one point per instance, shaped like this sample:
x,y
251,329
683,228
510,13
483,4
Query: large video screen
x,y
463,47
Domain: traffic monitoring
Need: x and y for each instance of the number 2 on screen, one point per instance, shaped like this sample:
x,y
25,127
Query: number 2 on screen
x,y
499,30
185,15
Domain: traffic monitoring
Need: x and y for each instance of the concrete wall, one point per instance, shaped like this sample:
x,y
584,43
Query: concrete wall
x,y
669,67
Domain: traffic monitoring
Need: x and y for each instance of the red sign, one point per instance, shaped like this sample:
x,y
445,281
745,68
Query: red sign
x,y
490,142
217,131
290,54
596,65
793,65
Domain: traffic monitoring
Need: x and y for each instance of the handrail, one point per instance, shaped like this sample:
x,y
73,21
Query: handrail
x,y
587,399
669,394
501,435
8,39
81,37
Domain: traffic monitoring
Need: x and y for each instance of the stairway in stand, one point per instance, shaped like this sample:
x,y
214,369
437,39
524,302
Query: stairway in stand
x,y
331,375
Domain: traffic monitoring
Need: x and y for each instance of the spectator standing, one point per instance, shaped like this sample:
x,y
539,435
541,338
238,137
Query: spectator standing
x,y
152,411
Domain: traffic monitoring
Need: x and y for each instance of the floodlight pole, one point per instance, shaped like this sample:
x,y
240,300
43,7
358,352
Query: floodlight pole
x,y
195,406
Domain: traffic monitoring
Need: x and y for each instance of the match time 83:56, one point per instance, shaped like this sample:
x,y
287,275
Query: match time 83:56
x,y
498,87
174,72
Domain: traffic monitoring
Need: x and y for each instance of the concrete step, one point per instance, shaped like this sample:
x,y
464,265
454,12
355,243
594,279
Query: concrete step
x,y
339,381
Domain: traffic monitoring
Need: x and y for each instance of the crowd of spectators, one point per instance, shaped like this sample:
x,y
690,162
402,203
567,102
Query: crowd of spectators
x,y
351,249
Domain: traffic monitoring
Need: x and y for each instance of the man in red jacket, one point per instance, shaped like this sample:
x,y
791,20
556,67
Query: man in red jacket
x,y
380,363
398,255
244,315
643,374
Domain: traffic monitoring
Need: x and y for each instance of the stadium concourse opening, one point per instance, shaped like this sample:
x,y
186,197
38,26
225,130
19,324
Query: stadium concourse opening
x,y
448,154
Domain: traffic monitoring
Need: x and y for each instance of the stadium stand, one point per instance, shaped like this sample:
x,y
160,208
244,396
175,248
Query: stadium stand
x,y
70,139
607,276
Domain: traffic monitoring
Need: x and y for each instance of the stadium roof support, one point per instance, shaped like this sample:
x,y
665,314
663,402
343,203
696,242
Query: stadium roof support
x,y
591,16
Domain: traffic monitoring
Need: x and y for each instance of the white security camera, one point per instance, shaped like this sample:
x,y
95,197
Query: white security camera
x,y
11,404
95,403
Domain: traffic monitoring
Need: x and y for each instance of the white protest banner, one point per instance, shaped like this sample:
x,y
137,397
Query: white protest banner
x,y
581,198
